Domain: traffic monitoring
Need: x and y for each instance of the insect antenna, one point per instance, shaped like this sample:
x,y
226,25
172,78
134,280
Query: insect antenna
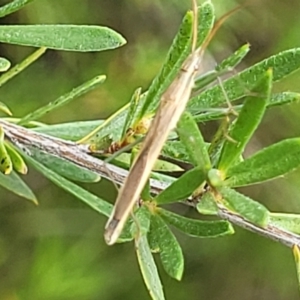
x,y
216,28
195,26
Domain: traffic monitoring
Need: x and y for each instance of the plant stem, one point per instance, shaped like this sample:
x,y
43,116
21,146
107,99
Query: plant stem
x,y
79,154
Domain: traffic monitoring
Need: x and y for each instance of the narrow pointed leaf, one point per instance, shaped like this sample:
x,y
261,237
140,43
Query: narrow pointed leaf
x,y
274,100
5,109
64,167
17,69
131,110
218,140
290,222
12,7
248,120
205,79
17,160
234,59
164,166
183,187
207,205
149,269
211,114
169,249
15,184
5,160
109,128
80,38
193,141
197,228
176,150
126,235
141,223
165,179
63,100
224,67
282,64
271,162
251,210
296,253
88,198
72,131
283,98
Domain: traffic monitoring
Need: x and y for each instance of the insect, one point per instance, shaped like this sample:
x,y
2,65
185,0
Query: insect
x,y
172,105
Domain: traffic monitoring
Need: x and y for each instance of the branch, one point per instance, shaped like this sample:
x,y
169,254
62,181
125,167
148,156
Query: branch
x,y
272,232
79,154
26,139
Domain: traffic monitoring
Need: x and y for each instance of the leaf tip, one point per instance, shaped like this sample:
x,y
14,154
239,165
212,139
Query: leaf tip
x,y
296,252
179,274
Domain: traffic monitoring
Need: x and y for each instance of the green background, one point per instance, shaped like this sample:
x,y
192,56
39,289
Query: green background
x,y
56,250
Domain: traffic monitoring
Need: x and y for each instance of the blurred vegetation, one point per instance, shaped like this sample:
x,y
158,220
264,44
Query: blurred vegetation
x,y
56,250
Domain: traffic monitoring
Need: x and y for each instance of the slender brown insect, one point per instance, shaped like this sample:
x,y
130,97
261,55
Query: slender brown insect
x,y
172,105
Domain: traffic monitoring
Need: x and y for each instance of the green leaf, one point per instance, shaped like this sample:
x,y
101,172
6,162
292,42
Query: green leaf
x,y
236,87
183,187
296,253
109,128
218,140
234,59
274,100
16,159
17,69
15,184
179,51
5,109
283,98
225,66
81,38
5,160
88,198
72,131
193,141
211,114
63,100
169,249
207,205
4,64
247,122
273,161
290,222
63,167
12,7
197,228
126,235
166,180
164,166
131,110
148,269
175,150
249,209
141,223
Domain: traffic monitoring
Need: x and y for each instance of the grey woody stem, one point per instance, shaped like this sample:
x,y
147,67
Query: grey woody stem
x,y
25,139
